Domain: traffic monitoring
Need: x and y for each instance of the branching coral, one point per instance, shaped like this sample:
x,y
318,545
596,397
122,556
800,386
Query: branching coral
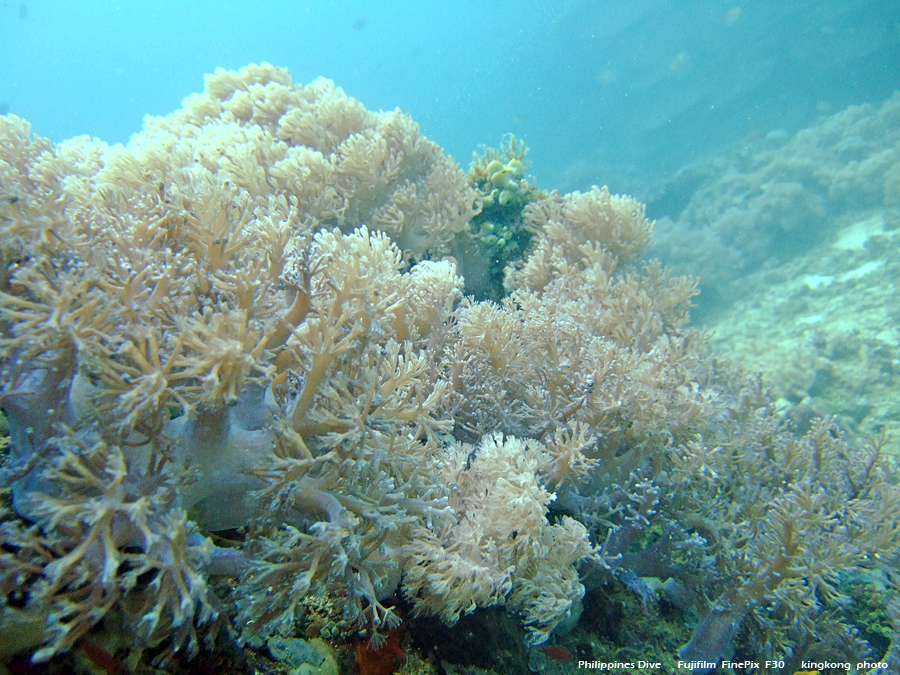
x,y
211,320
111,541
789,520
502,548
245,318
583,337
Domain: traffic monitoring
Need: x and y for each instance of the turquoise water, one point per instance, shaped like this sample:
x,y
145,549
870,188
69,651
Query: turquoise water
x,y
621,93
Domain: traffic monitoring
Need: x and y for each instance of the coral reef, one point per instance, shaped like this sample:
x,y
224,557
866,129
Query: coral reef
x,y
795,238
823,328
775,198
238,347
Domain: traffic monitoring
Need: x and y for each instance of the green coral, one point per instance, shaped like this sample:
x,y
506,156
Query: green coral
x,y
498,175
867,611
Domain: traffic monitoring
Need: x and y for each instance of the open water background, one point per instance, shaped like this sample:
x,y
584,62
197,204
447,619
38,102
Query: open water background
x,y
620,92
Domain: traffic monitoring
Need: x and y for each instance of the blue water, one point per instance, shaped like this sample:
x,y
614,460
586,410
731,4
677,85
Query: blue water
x,y
621,92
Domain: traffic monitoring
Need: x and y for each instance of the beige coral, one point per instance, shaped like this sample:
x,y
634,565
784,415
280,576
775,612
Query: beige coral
x,y
501,549
245,318
95,503
337,162
581,229
588,335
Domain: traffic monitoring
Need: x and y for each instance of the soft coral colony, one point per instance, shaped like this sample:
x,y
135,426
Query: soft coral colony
x,y
251,317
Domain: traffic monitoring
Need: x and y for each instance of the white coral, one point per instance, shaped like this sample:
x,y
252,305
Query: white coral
x,y
502,547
